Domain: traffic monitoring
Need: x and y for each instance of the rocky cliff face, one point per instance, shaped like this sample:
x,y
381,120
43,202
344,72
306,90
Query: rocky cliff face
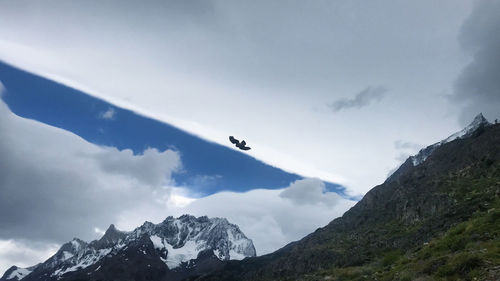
x,y
173,249
421,203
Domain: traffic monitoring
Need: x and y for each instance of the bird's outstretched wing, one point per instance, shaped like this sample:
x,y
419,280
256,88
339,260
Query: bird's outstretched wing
x,y
240,145
233,140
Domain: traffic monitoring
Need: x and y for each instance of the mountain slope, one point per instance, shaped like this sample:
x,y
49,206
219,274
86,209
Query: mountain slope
x,y
171,250
421,203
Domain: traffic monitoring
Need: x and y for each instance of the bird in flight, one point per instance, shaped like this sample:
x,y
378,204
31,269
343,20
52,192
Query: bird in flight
x,y
240,145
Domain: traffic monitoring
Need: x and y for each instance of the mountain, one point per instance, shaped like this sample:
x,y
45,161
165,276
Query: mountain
x,y
478,123
17,273
435,219
171,250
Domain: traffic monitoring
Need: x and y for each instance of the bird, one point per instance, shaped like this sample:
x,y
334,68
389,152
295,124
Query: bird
x,y
240,145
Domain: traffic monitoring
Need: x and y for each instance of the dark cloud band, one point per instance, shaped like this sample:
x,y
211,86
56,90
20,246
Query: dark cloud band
x,y
362,99
477,88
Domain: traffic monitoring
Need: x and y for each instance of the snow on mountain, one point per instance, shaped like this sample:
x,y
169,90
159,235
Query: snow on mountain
x,y
16,273
183,238
479,121
176,241
19,273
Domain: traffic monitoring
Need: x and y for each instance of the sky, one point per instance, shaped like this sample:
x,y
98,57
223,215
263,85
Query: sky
x,y
127,107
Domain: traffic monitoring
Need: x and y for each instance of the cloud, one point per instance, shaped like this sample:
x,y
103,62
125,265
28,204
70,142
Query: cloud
x,y
362,99
150,168
402,157
405,145
310,191
477,88
109,114
56,186
405,149
99,231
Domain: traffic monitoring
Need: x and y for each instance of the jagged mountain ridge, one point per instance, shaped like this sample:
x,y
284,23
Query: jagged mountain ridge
x,y
421,203
477,123
174,247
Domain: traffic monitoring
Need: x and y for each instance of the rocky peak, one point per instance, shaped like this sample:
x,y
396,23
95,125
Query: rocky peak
x,y
169,218
73,247
479,119
187,217
15,273
476,124
10,274
181,239
111,236
111,228
111,233
222,221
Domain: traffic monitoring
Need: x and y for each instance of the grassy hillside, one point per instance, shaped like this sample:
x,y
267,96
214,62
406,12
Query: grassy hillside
x,y
467,251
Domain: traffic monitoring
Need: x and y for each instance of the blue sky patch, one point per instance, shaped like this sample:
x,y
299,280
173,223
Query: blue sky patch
x,y
207,167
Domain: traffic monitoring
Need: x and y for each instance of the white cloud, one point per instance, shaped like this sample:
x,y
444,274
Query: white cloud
x,y
310,191
150,168
405,150
109,114
407,145
99,231
258,78
56,186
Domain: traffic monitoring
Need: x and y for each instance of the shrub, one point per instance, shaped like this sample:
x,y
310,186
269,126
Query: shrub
x,y
390,257
466,263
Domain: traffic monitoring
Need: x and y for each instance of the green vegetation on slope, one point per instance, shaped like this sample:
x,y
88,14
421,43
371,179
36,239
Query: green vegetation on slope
x,y
467,251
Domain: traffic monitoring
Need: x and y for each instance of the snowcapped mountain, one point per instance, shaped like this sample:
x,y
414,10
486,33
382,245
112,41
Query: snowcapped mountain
x,y
175,248
17,273
478,122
